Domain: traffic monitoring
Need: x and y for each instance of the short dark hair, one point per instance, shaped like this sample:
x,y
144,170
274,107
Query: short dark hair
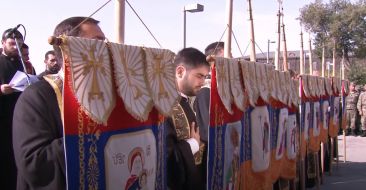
x,y
7,34
25,46
191,57
48,53
214,48
67,27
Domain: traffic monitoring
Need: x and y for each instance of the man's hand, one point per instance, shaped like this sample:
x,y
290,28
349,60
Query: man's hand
x,y
195,132
6,89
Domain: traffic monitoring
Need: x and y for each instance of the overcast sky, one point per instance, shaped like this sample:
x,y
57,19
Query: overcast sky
x,y
163,17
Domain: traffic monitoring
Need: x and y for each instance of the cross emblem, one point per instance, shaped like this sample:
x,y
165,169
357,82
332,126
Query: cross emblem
x,y
93,64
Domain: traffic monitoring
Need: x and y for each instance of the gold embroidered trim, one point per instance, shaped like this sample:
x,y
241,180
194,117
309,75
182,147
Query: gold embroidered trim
x,y
182,129
180,122
81,150
57,84
199,155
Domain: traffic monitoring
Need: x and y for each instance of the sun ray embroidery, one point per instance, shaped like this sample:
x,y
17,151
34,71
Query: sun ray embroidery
x,y
130,80
236,85
262,81
160,72
252,91
223,82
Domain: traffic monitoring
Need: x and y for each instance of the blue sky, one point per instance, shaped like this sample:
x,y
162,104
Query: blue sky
x,y
163,17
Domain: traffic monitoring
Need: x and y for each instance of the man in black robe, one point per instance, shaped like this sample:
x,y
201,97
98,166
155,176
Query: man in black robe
x,y
9,64
186,152
37,129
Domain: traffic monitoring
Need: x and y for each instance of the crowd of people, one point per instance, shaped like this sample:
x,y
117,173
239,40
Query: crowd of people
x,y
10,63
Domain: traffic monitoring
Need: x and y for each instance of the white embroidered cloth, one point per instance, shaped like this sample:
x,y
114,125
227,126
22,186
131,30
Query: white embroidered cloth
x,y
223,82
130,80
160,73
90,69
236,86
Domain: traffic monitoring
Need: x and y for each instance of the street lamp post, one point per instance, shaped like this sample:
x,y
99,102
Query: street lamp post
x,y
329,64
192,8
269,42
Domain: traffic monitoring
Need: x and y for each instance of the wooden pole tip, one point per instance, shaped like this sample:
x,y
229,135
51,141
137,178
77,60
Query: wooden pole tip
x,y
52,40
210,58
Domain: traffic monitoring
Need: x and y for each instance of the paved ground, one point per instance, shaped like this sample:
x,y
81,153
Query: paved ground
x,y
349,175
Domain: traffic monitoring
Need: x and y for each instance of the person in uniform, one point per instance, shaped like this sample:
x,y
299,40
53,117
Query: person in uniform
x,y
361,107
37,125
186,152
351,110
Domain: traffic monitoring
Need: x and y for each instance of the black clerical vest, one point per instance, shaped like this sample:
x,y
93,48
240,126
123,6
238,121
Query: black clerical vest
x,y
8,67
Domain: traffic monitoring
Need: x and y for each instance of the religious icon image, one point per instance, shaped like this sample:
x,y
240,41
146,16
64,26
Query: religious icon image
x,y
265,138
260,138
291,141
316,120
136,167
130,160
232,155
336,111
143,180
325,115
281,133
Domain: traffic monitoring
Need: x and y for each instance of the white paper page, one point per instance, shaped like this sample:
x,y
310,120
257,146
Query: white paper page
x,y
19,80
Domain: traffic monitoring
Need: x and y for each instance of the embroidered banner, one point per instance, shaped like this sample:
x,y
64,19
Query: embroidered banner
x,y
278,125
225,150
258,135
314,130
304,117
115,150
292,146
324,115
334,116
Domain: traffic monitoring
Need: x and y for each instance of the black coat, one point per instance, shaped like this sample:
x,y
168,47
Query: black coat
x,y
202,108
38,139
183,173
